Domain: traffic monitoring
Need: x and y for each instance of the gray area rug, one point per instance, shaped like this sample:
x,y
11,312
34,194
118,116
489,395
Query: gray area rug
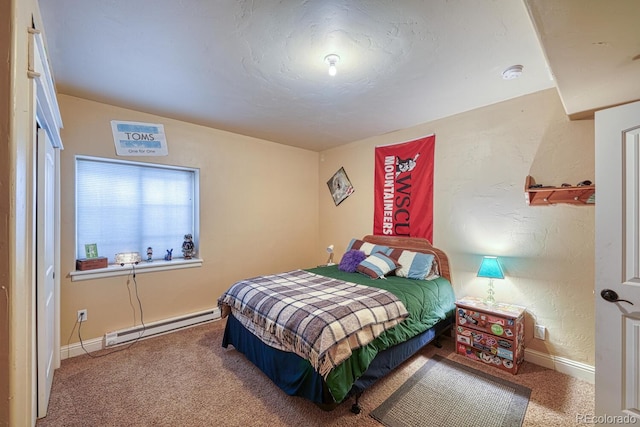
x,y
444,393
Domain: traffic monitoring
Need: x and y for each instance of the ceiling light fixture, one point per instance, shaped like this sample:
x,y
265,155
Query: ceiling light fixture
x,y
512,72
332,60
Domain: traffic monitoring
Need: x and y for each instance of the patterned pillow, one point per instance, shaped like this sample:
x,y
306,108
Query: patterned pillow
x,y
367,248
350,260
413,265
377,265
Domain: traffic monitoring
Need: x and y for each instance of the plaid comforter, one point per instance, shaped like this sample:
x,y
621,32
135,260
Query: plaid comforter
x,y
319,318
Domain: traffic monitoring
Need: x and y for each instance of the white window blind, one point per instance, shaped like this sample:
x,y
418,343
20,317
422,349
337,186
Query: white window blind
x,y
129,206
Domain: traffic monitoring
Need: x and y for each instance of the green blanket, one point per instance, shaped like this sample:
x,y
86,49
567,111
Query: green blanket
x,y
428,302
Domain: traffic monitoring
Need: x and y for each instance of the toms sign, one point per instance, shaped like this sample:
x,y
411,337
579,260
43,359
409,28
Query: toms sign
x,y
139,139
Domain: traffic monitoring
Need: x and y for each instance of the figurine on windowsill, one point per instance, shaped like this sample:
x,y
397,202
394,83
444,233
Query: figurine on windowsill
x,y
169,255
188,250
149,254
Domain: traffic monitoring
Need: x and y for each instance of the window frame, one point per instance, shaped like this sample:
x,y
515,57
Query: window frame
x,y
178,262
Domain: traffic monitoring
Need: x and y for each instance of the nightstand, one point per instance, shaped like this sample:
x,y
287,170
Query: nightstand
x,y
493,334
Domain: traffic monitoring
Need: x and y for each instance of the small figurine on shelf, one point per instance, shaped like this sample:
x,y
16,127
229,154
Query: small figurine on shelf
x,y
188,250
169,255
149,254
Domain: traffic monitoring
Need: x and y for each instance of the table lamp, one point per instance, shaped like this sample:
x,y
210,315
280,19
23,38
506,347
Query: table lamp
x,y
490,268
330,251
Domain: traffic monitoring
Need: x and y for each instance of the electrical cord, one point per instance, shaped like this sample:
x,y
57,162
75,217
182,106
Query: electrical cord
x,y
144,327
133,309
71,335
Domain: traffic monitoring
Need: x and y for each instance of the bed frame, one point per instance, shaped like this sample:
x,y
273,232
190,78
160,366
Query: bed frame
x,y
264,357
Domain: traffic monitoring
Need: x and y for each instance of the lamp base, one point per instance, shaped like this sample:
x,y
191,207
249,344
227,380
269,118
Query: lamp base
x,y
330,259
489,299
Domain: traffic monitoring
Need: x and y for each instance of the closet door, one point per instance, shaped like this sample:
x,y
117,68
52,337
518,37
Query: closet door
x,y
45,269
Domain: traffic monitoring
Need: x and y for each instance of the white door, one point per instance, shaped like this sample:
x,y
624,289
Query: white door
x,y
45,270
617,137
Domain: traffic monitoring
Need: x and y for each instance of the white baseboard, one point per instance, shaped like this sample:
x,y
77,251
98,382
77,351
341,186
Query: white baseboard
x,y
566,366
95,344
75,349
575,369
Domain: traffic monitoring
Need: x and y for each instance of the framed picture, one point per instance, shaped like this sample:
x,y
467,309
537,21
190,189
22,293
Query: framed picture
x,y
91,250
340,186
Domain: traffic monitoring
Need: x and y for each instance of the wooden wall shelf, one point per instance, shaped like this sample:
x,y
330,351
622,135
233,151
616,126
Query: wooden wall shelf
x,y
574,195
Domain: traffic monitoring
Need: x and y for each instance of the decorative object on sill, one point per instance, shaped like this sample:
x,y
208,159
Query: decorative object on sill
x,y
330,251
169,255
340,186
490,268
91,250
149,254
91,263
188,250
123,258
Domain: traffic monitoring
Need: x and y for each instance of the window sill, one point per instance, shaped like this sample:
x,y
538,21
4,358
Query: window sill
x,y
142,267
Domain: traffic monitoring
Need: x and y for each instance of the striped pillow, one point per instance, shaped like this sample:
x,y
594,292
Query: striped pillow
x,y
367,248
413,265
377,265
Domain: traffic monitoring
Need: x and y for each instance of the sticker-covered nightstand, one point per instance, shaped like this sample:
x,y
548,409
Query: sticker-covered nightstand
x,y
492,333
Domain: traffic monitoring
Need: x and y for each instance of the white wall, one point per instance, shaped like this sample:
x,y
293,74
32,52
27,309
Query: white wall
x,y
481,160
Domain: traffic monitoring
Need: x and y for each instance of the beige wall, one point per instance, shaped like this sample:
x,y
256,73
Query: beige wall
x,y
258,214
481,160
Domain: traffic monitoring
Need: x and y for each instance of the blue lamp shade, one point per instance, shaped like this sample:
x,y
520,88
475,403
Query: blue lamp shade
x,y
490,268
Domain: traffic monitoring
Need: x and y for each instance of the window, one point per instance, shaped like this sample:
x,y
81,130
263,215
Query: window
x,y
125,206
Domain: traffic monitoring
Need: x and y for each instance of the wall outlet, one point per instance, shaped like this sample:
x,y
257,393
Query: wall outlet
x,y
539,332
82,315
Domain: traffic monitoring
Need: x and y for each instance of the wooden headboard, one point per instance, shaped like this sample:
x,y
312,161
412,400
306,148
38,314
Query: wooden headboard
x,y
416,244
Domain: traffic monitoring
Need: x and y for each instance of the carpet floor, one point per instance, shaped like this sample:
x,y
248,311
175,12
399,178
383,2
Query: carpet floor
x,y
187,379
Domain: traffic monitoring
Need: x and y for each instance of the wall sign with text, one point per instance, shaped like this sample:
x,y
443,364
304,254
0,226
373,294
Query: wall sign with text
x,y
139,139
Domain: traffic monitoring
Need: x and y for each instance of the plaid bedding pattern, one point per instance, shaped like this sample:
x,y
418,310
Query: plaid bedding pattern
x,y
319,318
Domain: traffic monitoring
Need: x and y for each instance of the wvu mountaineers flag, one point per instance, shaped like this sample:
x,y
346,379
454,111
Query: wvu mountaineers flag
x,y
403,189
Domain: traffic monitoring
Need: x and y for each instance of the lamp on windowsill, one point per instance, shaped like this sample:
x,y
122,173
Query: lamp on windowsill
x,y
490,268
330,251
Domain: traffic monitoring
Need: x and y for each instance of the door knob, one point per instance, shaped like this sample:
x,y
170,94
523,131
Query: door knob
x,y
612,296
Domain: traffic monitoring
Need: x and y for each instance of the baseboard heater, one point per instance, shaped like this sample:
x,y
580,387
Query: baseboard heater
x,y
161,327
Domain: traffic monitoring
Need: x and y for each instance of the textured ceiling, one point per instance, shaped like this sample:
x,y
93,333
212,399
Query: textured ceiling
x,y
257,67
593,48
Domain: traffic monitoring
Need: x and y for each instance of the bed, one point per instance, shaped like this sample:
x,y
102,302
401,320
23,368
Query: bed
x,y
406,315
